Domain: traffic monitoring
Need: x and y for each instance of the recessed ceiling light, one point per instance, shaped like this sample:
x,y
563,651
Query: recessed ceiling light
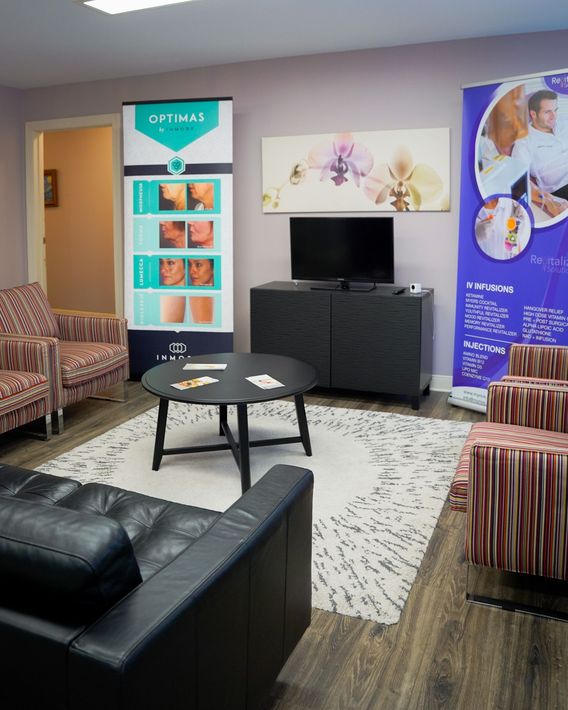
x,y
115,7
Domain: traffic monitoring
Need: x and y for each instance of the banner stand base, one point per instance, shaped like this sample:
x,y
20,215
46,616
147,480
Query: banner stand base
x,y
456,402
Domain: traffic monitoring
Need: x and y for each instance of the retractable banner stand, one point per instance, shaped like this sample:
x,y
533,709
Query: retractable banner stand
x,y
513,242
178,229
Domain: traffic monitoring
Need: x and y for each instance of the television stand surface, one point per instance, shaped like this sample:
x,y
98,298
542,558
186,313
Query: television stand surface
x,y
371,341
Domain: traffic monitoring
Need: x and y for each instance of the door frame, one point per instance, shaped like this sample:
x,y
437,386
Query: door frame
x,y
35,216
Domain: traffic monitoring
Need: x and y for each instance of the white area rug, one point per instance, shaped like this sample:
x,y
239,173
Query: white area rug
x,y
380,483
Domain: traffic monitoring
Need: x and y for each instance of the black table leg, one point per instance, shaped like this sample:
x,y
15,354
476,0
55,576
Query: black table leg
x,y
160,434
244,454
222,418
303,423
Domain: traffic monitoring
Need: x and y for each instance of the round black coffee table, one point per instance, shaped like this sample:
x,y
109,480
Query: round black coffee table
x,y
232,388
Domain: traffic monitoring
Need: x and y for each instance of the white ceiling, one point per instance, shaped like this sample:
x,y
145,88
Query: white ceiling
x,y
46,42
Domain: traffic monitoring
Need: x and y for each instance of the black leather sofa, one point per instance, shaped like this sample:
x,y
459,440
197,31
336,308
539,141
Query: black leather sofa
x,y
114,600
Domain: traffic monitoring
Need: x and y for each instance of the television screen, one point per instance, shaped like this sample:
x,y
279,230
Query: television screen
x,y
342,249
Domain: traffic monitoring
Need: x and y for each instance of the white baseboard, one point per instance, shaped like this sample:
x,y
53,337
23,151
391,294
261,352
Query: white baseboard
x,y
441,383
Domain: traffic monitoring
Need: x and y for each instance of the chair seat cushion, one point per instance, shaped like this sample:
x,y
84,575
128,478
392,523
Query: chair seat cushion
x,y
158,529
26,311
20,388
506,435
81,362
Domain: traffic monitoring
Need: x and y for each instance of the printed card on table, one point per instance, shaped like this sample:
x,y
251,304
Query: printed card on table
x,y
205,366
196,382
265,382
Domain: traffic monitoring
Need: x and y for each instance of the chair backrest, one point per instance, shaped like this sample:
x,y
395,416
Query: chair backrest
x,y
548,362
24,310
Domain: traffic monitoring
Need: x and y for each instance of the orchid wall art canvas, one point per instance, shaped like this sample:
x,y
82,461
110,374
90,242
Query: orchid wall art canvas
x,y
371,171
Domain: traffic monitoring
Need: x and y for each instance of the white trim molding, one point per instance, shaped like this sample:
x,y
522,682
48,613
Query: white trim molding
x,y
441,383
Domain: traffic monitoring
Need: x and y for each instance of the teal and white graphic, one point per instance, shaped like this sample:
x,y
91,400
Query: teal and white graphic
x,y
176,125
154,233
178,226
175,271
176,166
177,196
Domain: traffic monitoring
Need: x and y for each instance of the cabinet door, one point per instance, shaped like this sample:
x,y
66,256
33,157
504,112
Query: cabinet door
x,y
295,324
375,343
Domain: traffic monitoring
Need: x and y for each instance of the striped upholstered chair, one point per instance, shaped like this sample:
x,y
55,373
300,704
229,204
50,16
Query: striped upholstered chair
x,y
512,478
24,397
85,354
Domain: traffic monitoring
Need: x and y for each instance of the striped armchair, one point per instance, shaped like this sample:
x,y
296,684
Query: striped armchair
x,y
24,397
85,354
512,478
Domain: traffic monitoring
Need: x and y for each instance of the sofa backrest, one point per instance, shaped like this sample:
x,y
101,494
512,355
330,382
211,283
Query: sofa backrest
x,y
25,310
57,560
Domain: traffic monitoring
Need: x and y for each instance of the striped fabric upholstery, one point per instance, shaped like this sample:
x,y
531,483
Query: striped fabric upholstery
x,y
81,355
98,384
517,379
533,405
517,518
81,361
24,396
93,329
34,354
24,415
549,362
506,436
24,310
20,388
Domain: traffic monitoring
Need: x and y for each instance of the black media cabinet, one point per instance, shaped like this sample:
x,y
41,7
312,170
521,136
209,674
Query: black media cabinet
x,y
372,341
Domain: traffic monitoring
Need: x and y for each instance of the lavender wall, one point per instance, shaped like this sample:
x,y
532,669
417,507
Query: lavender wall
x,y
401,87
13,265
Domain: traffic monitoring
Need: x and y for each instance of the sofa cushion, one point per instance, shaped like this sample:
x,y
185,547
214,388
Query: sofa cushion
x,y
505,435
34,486
26,311
57,560
159,530
81,362
20,388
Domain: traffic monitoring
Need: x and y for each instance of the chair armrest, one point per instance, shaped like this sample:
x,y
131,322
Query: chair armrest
x,y
93,329
549,362
532,405
516,509
219,621
34,353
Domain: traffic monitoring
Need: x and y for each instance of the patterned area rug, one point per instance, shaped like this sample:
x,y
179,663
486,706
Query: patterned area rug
x,y
380,483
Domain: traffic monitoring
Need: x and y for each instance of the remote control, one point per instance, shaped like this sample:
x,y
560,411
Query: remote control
x,y
397,291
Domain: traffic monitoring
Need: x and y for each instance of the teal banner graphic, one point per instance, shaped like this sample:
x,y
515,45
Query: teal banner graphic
x,y
177,124
178,228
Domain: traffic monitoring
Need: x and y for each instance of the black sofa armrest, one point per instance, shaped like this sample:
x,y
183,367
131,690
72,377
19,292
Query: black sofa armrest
x,y
214,627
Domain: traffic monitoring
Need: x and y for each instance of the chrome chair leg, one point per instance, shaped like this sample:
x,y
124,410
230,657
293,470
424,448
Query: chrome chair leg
x,y
48,427
60,426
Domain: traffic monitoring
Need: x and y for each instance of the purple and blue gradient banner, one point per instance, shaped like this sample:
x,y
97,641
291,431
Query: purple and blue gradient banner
x,y
513,242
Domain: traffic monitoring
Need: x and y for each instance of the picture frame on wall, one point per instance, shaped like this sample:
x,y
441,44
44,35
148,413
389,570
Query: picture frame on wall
x,y
50,188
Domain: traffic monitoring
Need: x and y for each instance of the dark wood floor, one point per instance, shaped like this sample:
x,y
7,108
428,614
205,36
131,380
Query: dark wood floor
x,y
444,653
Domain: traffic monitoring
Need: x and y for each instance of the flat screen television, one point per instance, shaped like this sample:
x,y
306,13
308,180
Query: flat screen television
x,y
342,249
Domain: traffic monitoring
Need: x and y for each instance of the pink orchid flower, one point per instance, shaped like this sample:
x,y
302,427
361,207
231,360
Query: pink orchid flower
x,y
341,158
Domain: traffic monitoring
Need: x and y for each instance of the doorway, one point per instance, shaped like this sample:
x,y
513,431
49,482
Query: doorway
x,y
75,245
